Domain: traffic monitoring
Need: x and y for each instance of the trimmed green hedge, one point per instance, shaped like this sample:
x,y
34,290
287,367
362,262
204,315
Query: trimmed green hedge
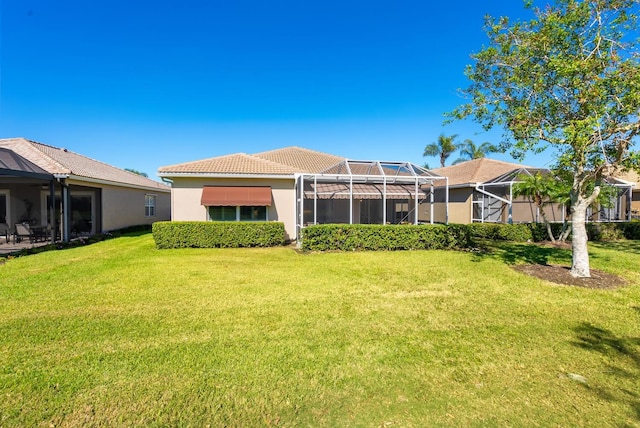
x,y
613,231
211,234
350,237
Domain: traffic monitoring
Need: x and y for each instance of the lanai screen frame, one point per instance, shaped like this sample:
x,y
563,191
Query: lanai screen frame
x,y
507,179
350,172
512,177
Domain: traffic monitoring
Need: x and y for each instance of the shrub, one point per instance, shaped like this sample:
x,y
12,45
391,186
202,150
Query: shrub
x,y
350,237
502,232
208,234
613,231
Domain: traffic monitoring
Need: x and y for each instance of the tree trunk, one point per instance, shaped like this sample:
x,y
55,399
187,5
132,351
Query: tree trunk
x,y
546,222
564,234
580,262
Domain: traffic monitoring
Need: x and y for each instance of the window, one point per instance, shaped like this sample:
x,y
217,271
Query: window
x,y
253,213
223,213
149,205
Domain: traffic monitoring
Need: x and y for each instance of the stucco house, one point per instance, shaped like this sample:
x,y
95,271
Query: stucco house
x,y
298,187
633,179
481,190
39,183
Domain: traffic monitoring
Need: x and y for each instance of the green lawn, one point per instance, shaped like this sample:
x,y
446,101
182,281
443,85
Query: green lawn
x,y
119,333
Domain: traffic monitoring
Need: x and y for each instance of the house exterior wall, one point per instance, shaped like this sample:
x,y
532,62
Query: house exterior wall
x,y
187,192
459,206
525,211
122,207
635,204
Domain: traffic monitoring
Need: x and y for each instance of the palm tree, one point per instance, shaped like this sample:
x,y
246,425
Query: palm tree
x,y
469,151
442,148
541,189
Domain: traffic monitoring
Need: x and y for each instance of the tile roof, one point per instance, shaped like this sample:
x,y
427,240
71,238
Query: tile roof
x,y
476,171
304,160
630,176
286,161
62,161
239,163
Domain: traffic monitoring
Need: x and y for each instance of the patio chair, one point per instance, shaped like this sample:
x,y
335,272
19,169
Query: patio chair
x,y
5,231
21,230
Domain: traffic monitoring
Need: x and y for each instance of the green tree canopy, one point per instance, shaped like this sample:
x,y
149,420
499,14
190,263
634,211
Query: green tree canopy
x,y
135,171
568,79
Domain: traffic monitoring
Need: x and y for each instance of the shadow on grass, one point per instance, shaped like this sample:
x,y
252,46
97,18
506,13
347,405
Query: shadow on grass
x,y
624,246
513,253
623,362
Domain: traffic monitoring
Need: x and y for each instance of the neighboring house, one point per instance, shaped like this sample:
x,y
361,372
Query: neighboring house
x,y
632,178
481,190
39,183
298,187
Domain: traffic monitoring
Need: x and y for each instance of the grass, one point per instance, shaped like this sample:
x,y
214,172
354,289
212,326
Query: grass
x,y
119,333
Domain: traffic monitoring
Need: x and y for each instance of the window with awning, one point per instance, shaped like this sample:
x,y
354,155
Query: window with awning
x,y
236,196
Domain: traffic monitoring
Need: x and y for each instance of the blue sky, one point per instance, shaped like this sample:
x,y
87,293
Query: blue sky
x,y
142,84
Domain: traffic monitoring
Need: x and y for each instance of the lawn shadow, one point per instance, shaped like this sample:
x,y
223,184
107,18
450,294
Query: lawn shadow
x,y
514,253
623,361
628,246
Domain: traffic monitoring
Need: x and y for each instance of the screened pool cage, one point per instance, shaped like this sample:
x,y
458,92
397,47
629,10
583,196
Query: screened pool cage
x,y
494,202
368,192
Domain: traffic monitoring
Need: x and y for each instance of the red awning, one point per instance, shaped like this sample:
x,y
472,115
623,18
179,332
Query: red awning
x,y
215,196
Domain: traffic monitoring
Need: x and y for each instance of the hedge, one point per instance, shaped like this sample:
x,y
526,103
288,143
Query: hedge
x,y
351,237
211,234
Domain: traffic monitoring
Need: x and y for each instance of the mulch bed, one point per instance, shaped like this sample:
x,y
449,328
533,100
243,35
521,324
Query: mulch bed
x,y
560,275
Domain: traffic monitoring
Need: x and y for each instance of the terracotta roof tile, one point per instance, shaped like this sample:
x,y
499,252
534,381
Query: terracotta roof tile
x,y
61,161
239,163
476,171
303,160
630,176
285,161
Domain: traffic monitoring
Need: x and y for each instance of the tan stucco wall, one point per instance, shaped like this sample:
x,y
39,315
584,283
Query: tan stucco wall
x,y
635,203
459,207
525,211
187,192
123,207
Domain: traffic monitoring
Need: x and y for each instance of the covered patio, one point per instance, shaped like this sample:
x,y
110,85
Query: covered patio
x,y
366,192
29,198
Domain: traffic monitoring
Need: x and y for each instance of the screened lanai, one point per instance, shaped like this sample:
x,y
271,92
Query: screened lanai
x,y
366,192
494,201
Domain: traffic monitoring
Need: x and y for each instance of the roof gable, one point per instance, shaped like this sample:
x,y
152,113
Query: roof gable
x,y
476,171
238,163
55,160
285,161
303,160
